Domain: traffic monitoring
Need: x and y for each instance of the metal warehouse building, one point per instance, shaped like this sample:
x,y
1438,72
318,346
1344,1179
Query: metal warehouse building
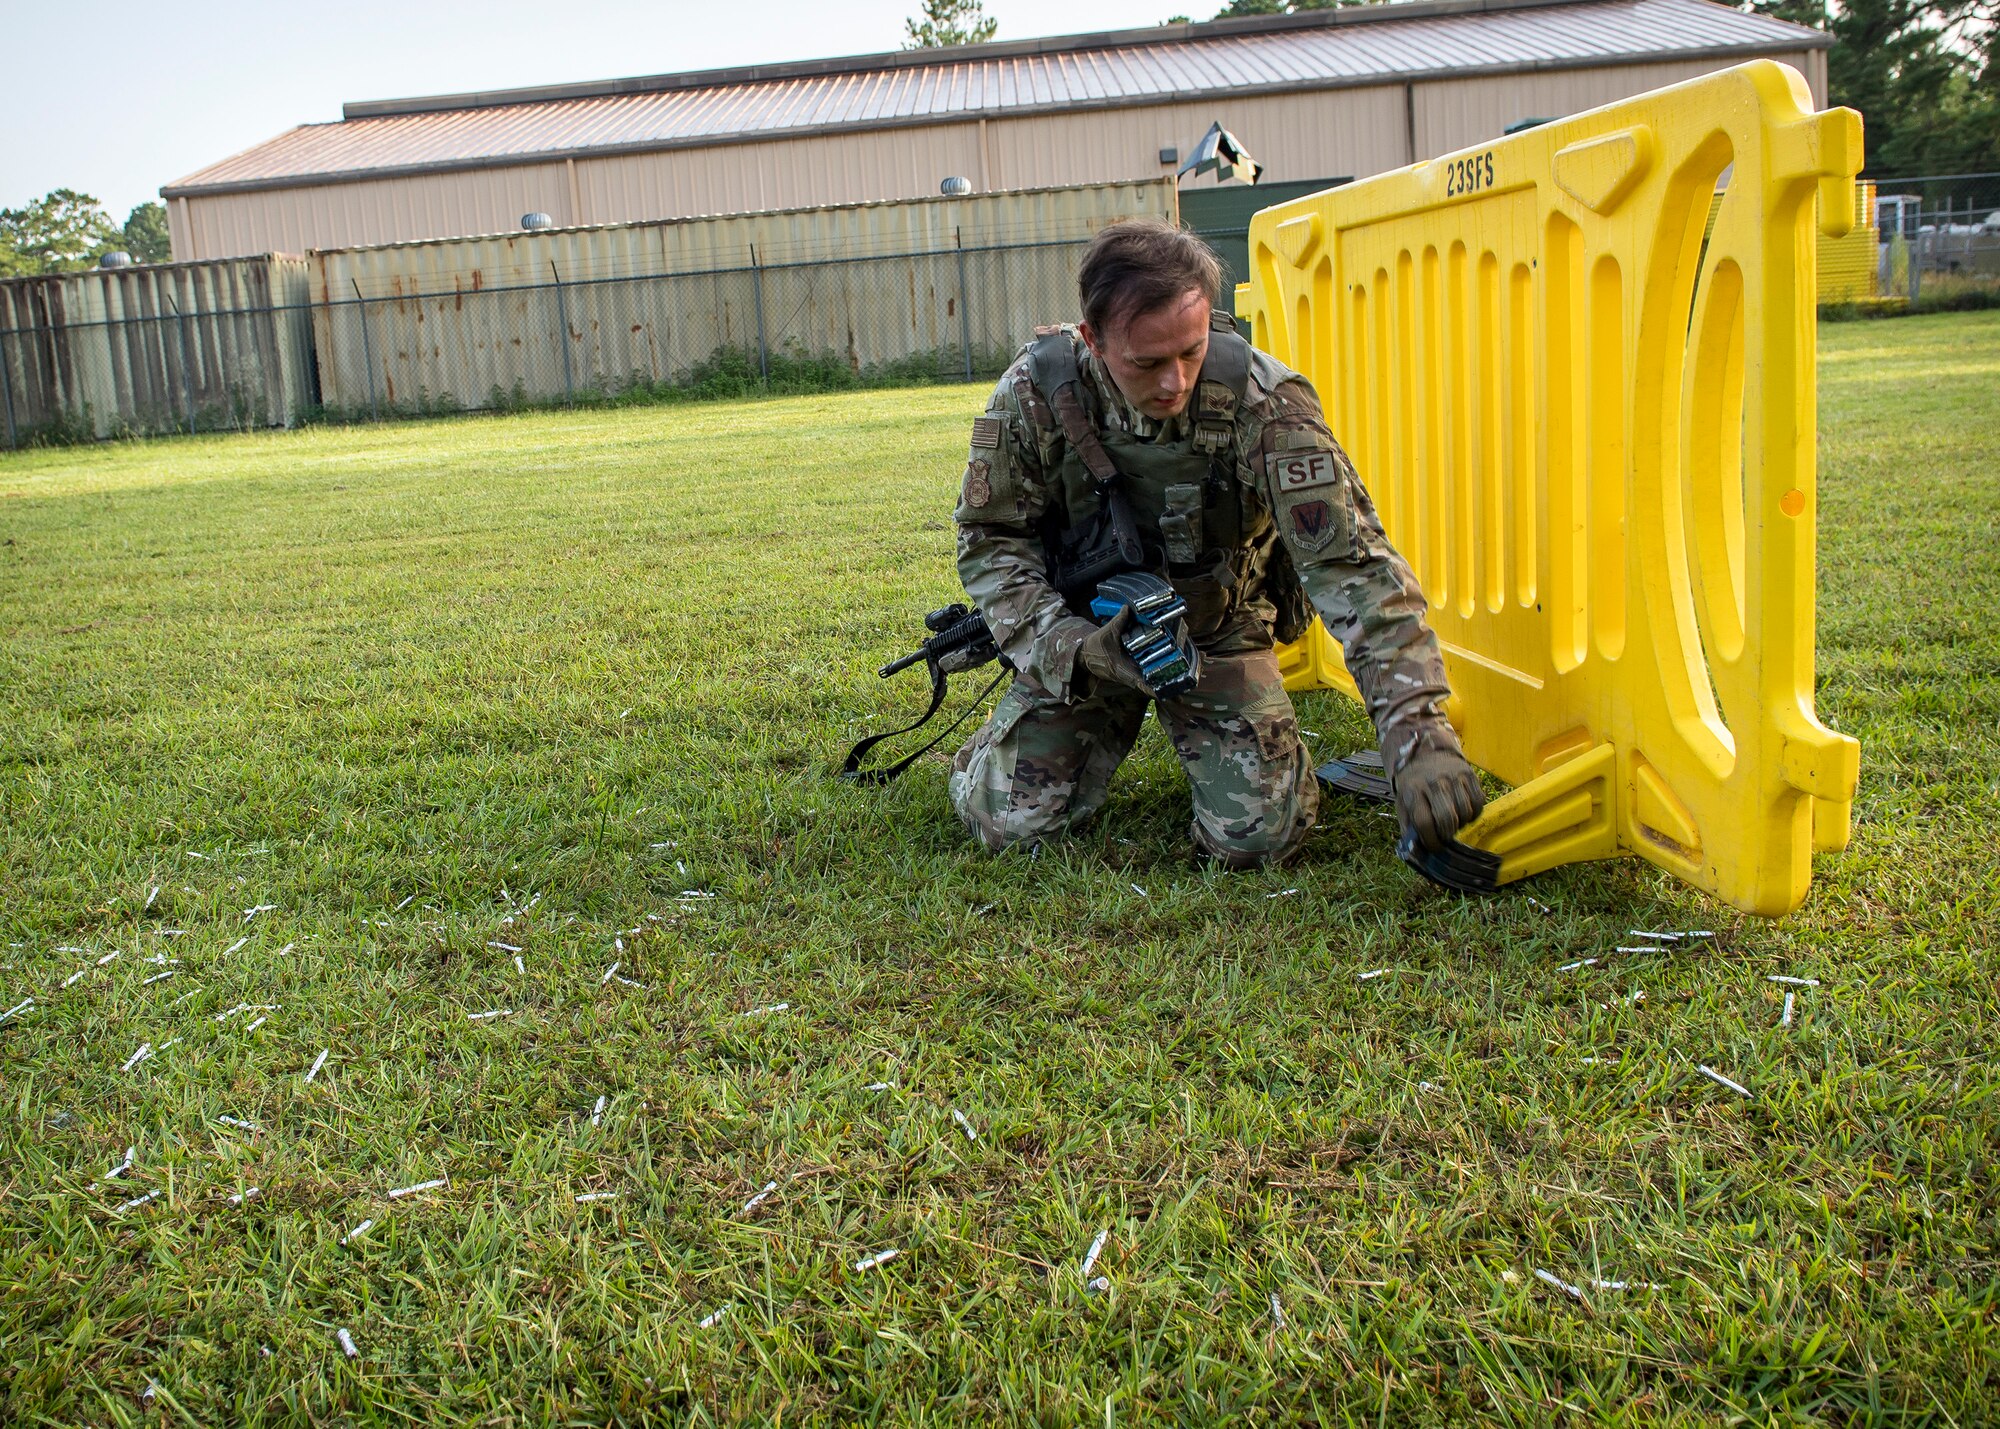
x,y
1346,92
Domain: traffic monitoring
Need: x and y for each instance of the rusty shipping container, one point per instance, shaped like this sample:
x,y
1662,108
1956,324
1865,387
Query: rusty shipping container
x,y
538,315
220,345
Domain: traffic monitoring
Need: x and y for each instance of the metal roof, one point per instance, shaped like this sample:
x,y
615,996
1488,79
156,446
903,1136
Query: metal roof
x,y
1340,48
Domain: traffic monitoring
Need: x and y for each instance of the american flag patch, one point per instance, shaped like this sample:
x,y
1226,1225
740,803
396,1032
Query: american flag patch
x,y
986,432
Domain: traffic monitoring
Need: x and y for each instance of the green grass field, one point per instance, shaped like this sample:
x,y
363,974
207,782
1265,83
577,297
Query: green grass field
x,y
423,695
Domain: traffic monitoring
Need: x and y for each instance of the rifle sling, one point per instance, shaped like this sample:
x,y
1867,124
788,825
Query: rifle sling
x,y
852,771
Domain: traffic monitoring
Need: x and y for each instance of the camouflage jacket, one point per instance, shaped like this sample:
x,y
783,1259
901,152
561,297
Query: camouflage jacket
x,y
1299,505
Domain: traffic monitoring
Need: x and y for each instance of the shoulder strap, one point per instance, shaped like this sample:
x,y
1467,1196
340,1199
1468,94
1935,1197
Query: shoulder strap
x,y
1225,378
1052,367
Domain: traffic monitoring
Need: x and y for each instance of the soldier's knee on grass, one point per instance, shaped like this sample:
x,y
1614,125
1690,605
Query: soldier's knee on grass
x,y
1003,836
998,820
997,835
1264,845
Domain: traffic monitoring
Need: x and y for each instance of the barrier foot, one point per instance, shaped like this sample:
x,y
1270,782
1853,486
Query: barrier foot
x,y
1457,866
1564,816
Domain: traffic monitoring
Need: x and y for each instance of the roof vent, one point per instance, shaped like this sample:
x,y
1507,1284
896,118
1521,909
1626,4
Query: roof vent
x,y
533,221
116,258
955,187
1221,153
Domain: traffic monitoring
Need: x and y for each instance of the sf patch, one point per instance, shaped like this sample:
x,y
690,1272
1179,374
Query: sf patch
x,y
978,491
1302,471
1313,525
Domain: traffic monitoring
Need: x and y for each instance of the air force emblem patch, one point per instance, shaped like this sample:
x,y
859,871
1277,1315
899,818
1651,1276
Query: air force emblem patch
x,y
1312,524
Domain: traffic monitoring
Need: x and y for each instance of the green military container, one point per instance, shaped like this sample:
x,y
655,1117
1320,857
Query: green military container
x,y
1222,216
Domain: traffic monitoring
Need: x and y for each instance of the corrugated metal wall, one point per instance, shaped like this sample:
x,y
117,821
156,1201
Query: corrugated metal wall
x,y
684,245
537,316
344,215
796,173
217,345
1357,131
1296,136
1463,112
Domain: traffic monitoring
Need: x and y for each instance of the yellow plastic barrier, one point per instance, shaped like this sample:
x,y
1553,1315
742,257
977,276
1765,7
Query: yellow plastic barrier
x,y
1592,433
1848,265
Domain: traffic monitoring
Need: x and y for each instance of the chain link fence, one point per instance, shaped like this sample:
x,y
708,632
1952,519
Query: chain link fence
x,y
1941,233
948,315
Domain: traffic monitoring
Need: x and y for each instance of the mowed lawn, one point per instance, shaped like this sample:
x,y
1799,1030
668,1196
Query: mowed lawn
x,y
342,740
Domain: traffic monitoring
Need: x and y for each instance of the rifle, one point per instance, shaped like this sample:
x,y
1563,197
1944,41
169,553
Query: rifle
x,y
1098,568
953,629
959,641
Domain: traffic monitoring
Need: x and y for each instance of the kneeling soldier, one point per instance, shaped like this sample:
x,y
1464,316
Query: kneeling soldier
x,y
1246,503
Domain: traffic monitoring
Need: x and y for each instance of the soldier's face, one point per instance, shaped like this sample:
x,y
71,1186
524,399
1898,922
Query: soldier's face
x,y
1155,357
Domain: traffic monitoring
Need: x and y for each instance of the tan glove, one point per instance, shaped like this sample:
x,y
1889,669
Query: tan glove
x,y
1437,791
1102,653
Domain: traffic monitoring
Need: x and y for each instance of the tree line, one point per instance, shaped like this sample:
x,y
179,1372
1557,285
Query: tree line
x,y
64,231
1925,75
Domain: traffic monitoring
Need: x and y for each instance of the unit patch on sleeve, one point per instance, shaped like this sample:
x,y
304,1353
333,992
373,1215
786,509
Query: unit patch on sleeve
x,y
1304,470
979,486
986,432
1313,525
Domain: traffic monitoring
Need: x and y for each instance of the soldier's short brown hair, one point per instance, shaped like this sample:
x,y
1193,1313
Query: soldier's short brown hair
x,y
1140,266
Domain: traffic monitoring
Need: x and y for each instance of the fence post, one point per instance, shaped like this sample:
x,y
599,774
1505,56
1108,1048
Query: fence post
x,y
562,317
367,353
1915,246
1920,247
964,302
187,374
757,287
7,389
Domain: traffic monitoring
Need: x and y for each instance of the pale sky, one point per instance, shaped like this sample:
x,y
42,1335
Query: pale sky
x,y
117,98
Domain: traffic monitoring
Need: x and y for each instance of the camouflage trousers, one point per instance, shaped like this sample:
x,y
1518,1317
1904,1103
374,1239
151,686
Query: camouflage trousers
x,y
1039,767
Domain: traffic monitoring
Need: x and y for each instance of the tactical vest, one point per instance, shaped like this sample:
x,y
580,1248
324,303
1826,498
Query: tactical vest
x,y
1189,503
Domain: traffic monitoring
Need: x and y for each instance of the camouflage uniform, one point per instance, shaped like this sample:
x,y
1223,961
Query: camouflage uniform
x,y
1239,544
